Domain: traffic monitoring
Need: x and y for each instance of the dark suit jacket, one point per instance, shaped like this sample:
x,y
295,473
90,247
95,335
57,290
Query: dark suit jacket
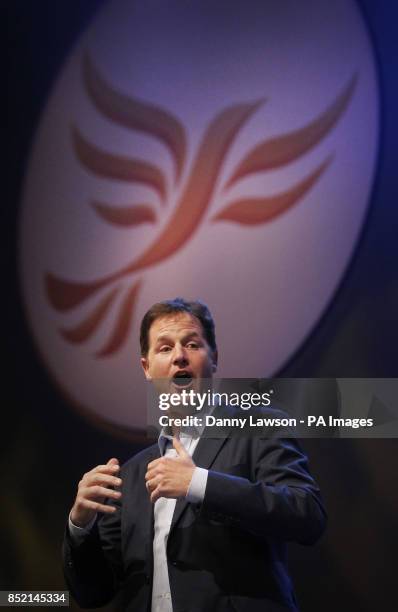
x,y
227,554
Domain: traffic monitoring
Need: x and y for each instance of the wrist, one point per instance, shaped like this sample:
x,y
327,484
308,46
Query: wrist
x,y
78,520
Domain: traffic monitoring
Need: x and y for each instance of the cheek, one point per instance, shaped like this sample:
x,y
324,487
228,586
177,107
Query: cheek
x,y
162,363
205,366
157,366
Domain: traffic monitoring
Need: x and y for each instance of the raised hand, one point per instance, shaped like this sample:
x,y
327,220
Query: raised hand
x,y
170,476
93,490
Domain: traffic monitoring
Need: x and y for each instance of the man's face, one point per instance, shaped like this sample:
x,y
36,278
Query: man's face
x,y
179,352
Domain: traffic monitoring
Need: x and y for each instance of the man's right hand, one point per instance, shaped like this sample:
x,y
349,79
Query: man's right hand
x,y
93,490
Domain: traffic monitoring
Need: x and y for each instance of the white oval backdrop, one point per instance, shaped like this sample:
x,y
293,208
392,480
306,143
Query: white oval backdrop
x,y
259,107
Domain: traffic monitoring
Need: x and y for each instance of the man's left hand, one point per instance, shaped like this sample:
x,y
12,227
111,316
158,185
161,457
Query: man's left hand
x,y
170,476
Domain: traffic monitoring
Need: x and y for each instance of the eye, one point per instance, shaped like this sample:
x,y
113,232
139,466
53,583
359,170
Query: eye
x,y
192,345
165,348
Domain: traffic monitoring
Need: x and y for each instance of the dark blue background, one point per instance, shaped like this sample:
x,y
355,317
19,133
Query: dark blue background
x,y
46,447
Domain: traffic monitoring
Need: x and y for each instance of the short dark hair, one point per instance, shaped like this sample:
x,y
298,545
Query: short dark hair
x,y
168,307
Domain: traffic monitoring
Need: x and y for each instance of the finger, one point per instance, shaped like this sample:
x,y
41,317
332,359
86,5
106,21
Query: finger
x,y
102,479
179,447
154,463
152,484
162,492
106,469
97,492
155,495
113,461
151,473
98,507
149,487
161,468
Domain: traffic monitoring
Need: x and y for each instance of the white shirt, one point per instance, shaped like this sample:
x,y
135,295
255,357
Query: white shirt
x,y
163,514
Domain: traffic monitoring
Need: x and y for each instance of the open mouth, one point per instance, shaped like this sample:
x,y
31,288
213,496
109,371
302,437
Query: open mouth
x,y
182,380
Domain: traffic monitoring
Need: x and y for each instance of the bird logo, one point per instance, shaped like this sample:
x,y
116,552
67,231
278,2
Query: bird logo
x,y
195,191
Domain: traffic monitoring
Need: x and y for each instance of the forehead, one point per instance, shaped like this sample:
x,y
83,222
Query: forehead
x,y
175,325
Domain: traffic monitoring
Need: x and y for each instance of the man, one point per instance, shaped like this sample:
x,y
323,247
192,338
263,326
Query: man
x,y
191,524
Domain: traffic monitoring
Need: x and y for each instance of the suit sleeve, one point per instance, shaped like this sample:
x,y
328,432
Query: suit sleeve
x,y
92,568
281,500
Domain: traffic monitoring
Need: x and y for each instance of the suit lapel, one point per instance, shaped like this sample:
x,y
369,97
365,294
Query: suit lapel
x,y
204,456
207,450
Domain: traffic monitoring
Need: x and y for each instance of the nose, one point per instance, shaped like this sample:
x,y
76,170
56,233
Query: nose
x,y
180,357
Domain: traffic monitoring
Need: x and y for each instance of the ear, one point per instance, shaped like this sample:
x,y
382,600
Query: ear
x,y
145,367
215,360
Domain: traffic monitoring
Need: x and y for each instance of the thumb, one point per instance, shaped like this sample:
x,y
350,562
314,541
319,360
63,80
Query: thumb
x,y
113,461
179,447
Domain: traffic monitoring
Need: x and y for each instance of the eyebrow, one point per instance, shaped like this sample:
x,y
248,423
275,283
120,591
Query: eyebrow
x,y
166,338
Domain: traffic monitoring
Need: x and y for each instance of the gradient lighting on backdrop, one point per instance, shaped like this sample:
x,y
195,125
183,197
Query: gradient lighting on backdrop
x,y
216,150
